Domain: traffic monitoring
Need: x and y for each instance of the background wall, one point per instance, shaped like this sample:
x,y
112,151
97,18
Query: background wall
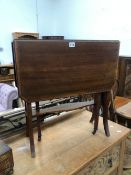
x,y
23,16
93,19
46,10
75,19
16,15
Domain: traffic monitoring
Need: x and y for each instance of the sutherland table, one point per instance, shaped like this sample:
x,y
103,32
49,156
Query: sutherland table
x,y
69,148
63,68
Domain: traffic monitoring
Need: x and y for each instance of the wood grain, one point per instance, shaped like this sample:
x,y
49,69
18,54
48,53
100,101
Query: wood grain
x,y
67,145
48,69
51,69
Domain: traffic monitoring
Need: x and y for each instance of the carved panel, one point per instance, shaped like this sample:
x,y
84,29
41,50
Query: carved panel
x,y
103,164
127,92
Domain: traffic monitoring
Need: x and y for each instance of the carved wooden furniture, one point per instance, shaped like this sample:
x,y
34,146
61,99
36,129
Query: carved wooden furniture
x,y
123,111
6,159
124,76
71,149
53,37
25,35
7,76
59,68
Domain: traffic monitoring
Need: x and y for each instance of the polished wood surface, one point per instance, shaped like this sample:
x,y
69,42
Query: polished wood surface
x,y
120,101
123,111
123,107
52,69
68,146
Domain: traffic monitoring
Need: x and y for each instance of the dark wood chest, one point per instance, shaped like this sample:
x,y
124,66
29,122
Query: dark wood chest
x,y
6,160
124,76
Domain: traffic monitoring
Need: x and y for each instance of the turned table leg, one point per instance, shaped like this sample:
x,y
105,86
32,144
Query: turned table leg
x,y
105,104
27,127
95,115
30,127
38,121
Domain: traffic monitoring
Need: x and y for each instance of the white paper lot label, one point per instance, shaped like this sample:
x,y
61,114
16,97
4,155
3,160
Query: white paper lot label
x,y
71,44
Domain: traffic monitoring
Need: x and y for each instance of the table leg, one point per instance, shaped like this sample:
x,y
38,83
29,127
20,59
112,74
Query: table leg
x,y
96,109
30,127
105,104
38,121
27,127
93,115
112,108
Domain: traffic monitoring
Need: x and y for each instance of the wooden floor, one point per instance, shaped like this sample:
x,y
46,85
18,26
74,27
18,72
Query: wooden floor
x,y
66,146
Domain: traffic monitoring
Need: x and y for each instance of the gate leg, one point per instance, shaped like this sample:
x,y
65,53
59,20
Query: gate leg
x,y
95,115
